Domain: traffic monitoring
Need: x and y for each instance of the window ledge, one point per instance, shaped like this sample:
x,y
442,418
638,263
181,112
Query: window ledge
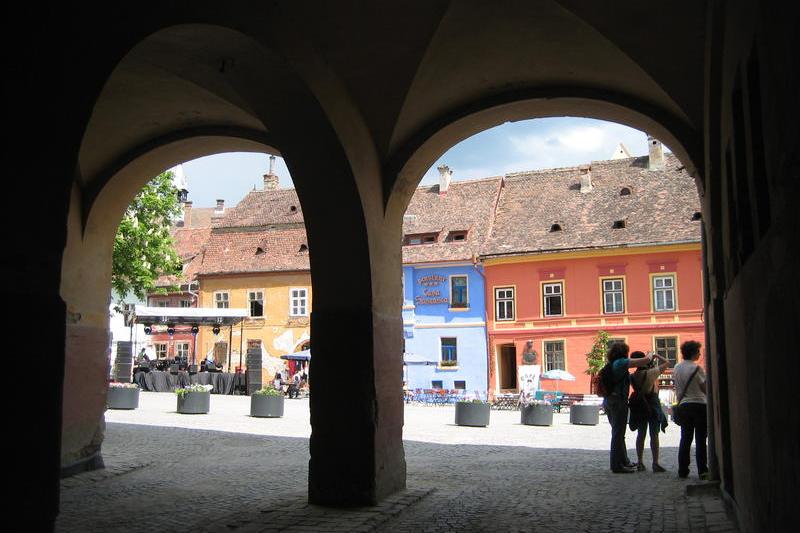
x,y
440,367
457,309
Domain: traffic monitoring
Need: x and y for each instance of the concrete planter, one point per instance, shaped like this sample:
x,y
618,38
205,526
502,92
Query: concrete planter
x,y
472,414
123,398
537,415
194,403
266,406
584,415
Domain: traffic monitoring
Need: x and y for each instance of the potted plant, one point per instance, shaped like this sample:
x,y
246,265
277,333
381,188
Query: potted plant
x,y
194,399
267,403
536,413
122,396
473,413
584,414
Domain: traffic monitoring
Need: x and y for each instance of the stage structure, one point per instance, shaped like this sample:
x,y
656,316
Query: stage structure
x,y
194,317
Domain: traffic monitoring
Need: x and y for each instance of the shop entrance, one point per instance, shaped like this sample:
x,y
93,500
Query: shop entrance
x,y
507,366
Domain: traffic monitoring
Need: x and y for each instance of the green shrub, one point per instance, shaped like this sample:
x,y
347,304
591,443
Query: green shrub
x,y
269,390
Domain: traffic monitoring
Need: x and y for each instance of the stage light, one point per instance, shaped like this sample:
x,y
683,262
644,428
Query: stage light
x,y
195,329
148,329
171,329
215,329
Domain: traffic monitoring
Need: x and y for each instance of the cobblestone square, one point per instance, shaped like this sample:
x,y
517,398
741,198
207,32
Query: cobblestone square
x,y
226,471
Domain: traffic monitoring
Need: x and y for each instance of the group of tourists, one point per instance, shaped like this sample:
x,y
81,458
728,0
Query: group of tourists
x,y
291,387
642,411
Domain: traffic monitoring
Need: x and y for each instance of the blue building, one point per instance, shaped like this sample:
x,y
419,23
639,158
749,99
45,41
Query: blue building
x,y
444,308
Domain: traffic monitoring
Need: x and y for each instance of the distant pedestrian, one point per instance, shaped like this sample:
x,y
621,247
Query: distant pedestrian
x,y
645,408
616,382
690,387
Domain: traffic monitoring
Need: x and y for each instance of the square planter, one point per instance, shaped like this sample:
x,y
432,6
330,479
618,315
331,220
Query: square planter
x,y
537,415
123,398
266,406
472,414
584,415
194,403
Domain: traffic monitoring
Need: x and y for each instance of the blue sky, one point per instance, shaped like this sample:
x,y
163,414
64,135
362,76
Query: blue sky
x,y
511,147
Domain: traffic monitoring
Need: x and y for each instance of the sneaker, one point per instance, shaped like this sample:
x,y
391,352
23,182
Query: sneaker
x,y
704,476
640,467
625,470
658,468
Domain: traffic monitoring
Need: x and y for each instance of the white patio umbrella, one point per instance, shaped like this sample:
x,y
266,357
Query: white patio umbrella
x,y
558,375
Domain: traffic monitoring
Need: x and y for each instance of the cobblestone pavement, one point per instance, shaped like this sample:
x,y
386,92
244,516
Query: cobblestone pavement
x,y
226,471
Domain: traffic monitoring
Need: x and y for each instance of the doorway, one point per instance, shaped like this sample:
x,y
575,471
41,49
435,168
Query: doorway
x,y
507,366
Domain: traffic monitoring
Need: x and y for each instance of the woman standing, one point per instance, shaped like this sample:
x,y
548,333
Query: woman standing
x,y
617,384
690,387
646,410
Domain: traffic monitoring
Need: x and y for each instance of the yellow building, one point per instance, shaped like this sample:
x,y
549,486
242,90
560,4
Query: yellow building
x,y
256,258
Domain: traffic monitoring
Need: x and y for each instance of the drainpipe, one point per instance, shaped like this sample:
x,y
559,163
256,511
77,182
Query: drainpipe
x,y
479,269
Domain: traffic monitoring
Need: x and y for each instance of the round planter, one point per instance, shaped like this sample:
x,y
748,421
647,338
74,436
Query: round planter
x,y
472,414
537,415
266,406
194,403
584,415
123,397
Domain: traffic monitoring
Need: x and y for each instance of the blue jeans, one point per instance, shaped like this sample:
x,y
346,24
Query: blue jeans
x,y
616,408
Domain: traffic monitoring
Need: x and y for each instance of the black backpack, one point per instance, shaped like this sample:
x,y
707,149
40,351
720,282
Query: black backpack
x,y
604,382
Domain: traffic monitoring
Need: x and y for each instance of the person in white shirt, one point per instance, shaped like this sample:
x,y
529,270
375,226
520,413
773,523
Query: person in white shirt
x,y
692,394
645,408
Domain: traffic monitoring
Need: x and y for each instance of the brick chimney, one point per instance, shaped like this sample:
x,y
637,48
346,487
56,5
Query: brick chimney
x,y
220,206
655,149
586,179
271,181
445,176
187,213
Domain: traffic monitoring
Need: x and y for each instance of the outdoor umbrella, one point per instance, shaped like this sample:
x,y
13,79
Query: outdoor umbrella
x,y
558,375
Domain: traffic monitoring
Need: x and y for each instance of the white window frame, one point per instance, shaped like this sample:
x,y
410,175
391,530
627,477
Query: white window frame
x,y
250,292
187,302
298,305
663,351
559,294
180,344
614,291
547,366
156,346
218,300
504,301
664,289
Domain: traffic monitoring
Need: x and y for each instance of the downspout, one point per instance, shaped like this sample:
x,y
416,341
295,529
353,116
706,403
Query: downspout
x,y
479,269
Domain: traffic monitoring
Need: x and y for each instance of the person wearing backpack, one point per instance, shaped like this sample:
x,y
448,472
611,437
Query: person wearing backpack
x,y
690,386
616,382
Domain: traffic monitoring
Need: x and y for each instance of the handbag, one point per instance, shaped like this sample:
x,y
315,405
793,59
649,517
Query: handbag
x,y
677,417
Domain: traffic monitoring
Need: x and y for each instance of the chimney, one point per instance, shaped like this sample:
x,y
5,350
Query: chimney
x,y
656,154
220,206
586,179
271,181
445,176
187,213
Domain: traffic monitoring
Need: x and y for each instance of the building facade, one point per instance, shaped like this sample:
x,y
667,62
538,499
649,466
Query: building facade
x,y
614,246
444,308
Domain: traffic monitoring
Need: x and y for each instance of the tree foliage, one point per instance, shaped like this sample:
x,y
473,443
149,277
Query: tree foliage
x,y
143,247
596,358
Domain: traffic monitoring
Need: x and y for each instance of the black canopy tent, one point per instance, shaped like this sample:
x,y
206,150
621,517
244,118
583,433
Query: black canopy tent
x,y
193,316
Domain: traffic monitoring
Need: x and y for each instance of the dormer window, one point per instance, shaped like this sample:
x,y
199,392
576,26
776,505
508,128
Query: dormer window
x,y
619,224
697,216
420,238
259,250
457,236
626,191
303,248
293,208
555,227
